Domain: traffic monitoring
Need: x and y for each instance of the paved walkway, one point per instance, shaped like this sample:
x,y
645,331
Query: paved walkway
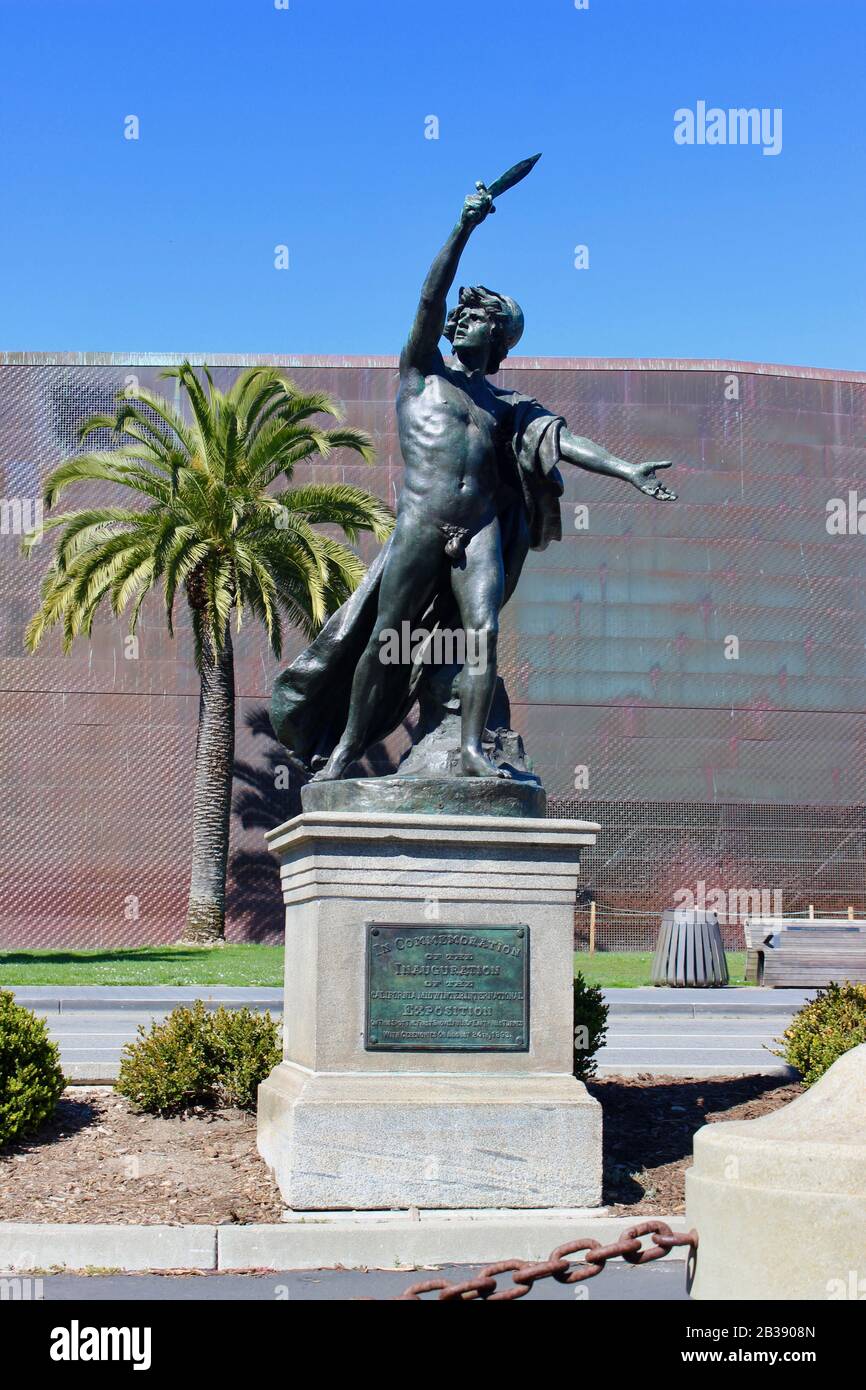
x,y
688,1032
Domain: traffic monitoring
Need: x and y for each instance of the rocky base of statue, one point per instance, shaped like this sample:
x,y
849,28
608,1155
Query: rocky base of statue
x,y
429,796
428,1023
435,750
430,780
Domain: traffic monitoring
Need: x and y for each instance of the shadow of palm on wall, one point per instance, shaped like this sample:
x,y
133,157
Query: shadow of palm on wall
x,y
267,793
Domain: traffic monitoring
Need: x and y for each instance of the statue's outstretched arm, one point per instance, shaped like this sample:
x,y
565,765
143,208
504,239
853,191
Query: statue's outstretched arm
x,y
423,340
596,459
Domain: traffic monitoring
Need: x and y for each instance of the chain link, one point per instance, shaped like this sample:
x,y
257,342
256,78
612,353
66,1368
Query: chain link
x,y
558,1266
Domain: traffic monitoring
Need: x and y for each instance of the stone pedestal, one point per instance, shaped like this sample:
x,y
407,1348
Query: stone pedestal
x,y
345,1126
779,1203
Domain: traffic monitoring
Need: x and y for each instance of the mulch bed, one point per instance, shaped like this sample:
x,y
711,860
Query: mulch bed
x,y
649,1122
97,1160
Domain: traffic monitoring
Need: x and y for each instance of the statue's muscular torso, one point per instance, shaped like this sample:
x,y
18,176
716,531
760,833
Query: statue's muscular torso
x,y
448,424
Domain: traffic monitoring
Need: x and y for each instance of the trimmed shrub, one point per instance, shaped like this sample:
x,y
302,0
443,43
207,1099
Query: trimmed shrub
x,y
199,1057
590,1026
170,1067
31,1078
247,1048
832,1023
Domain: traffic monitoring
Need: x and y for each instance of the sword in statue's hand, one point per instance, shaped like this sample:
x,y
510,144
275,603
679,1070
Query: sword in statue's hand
x,y
512,176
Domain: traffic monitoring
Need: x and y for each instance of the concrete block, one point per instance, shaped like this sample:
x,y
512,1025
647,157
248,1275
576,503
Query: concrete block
x,y
779,1203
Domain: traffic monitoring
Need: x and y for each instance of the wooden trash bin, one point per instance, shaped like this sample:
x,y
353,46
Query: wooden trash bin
x,y
689,952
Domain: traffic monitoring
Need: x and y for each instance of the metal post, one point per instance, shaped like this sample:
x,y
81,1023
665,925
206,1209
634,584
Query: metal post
x,y
592,928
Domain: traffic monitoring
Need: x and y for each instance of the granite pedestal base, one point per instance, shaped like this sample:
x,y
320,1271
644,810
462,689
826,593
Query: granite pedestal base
x,y
346,1127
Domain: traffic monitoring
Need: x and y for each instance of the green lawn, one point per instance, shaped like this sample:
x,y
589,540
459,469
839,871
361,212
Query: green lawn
x,y
254,965
626,969
146,965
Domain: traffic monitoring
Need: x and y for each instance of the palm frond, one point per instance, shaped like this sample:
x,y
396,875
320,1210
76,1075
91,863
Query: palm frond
x,y
292,407
117,466
165,411
339,504
210,523
201,408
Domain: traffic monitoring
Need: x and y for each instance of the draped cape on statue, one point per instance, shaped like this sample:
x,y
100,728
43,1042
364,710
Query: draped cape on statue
x,y
310,703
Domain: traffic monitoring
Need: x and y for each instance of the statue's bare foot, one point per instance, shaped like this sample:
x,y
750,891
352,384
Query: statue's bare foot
x,y
335,767
477,764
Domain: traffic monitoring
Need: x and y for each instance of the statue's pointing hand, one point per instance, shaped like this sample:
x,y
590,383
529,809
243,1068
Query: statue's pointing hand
x,y
645,479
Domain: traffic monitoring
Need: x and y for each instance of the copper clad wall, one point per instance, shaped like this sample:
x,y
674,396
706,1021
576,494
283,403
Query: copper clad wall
x,y
614,649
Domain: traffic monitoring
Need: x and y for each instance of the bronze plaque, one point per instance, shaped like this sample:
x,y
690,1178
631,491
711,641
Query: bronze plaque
x,y
447,989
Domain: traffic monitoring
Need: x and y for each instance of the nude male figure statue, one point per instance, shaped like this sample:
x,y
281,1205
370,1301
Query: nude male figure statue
x,y
481,488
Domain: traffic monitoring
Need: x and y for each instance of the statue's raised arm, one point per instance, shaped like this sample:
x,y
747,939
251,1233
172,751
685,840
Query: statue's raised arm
x,y
422,345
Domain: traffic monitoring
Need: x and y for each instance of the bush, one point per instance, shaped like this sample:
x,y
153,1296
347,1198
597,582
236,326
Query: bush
x,y
818,1034
247,1049
171,1067
590,1026
31,1079
199,1057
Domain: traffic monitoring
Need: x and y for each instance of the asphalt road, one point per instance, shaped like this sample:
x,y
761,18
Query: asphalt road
x,y
617,1282
678,1032
700,1046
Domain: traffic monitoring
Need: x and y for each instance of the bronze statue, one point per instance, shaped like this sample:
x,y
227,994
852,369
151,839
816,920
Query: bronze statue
x,y
481,489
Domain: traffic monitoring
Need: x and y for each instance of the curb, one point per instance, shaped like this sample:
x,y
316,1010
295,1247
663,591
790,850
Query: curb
x,y
321,1240
61,1004
431,1238
721,1010
131,1249
650,1069
147,1003
90,1073
106,1073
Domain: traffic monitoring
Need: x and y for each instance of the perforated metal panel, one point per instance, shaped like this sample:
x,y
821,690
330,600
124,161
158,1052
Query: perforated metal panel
x,y
735,859
615,650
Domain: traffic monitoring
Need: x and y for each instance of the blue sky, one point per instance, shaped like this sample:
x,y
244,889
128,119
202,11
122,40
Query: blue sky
x,y
305,127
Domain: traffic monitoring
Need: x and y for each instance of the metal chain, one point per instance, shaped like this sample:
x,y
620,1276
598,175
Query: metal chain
x,y
558,1266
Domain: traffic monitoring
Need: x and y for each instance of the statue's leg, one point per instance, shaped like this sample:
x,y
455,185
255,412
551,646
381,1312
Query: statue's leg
x,y
413,568
479,585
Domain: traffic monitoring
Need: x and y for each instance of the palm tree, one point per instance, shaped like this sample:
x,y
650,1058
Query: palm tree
x,y
215,528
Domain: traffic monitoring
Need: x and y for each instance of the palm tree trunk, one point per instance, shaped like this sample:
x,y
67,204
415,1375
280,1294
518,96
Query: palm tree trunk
x,y
212,796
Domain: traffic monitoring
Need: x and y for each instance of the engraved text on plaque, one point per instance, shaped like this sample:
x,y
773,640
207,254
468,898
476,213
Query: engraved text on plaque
x,y
447,989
